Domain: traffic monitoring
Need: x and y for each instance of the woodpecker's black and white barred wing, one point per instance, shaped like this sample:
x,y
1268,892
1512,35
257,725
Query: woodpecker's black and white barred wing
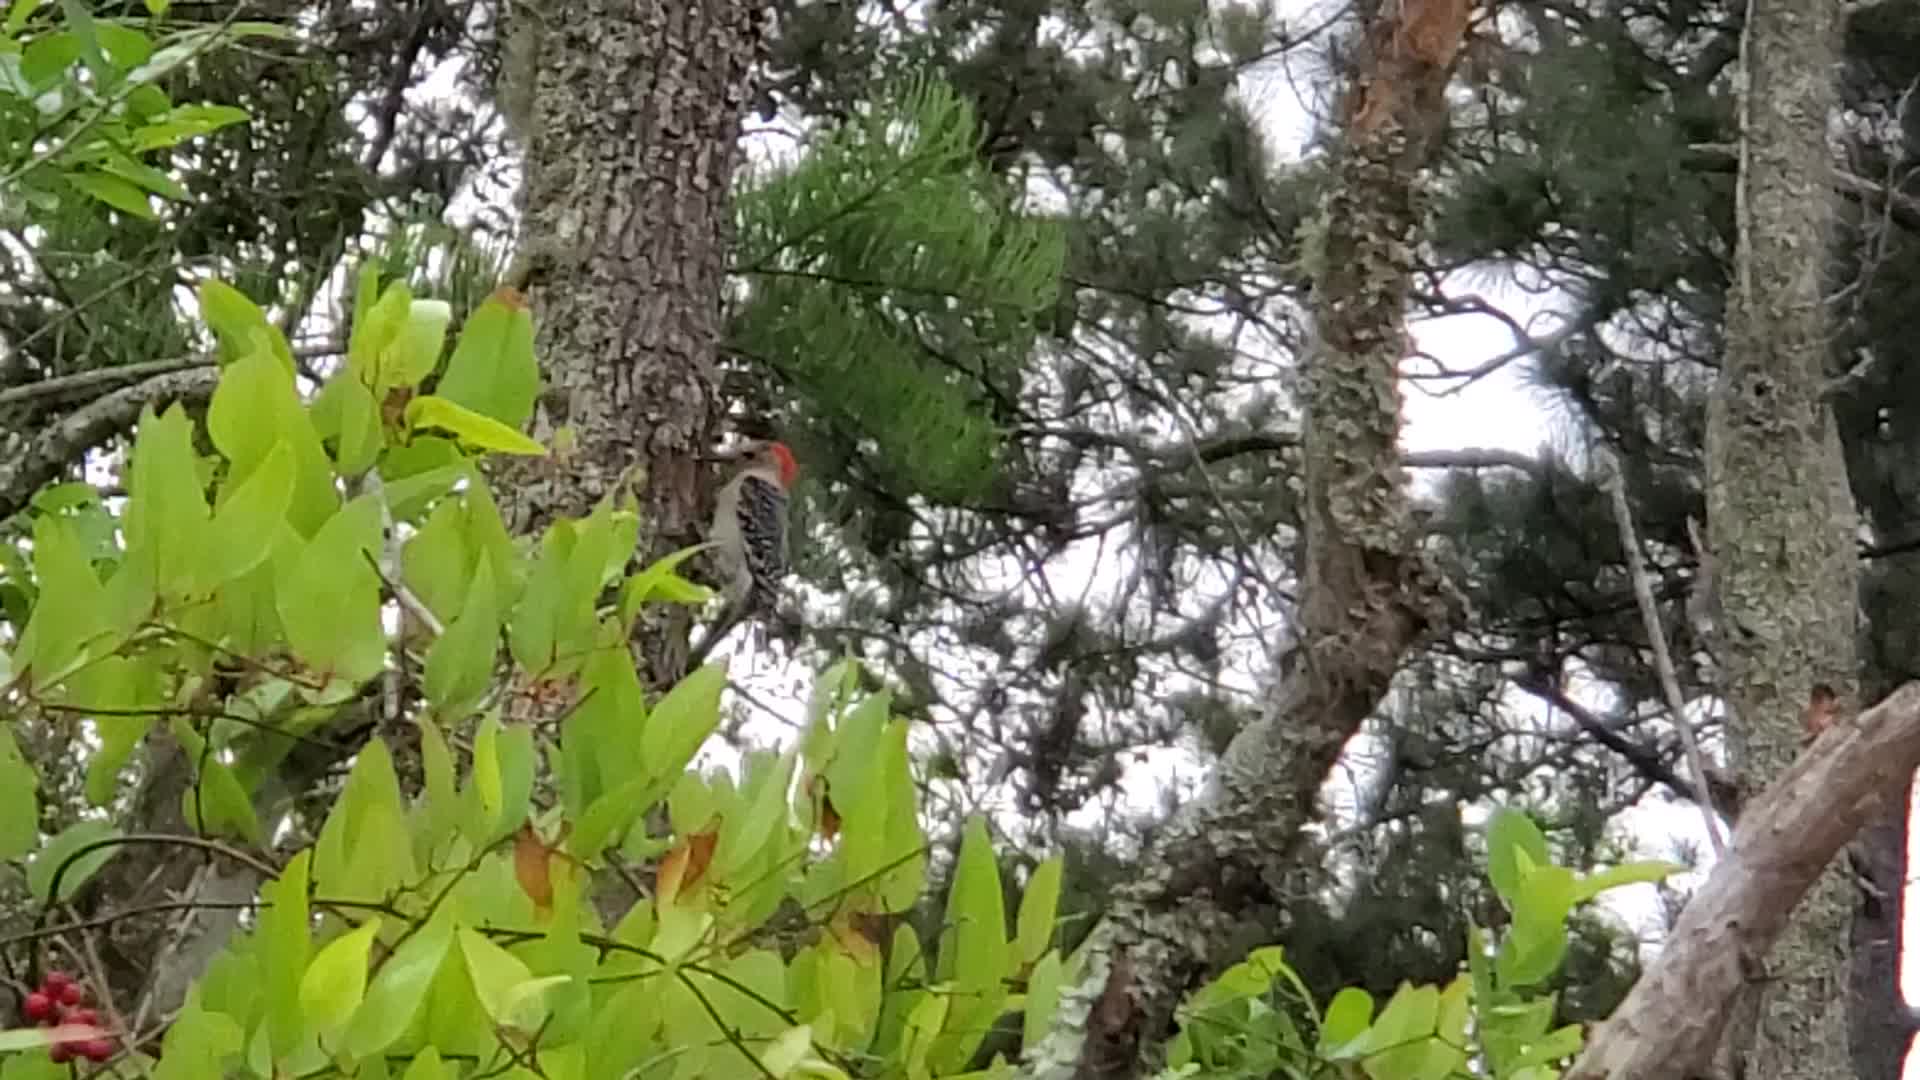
x,y
763,530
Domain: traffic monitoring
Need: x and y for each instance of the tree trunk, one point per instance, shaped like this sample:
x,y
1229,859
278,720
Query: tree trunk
x,y
1781,518
633,143
1883,1025
1366,594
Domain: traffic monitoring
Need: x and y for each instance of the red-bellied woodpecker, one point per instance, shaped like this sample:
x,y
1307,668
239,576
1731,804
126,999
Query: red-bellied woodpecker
x,y
749,534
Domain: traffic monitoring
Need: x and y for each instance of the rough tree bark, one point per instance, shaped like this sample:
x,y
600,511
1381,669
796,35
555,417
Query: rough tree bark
x,y
1366,594
1781,519
633,140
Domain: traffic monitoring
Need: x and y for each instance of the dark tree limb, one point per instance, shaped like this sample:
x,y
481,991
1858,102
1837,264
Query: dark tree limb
x,y
65,442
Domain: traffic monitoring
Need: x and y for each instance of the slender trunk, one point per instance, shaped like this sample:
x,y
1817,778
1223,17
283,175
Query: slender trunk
x,y
1781,518
1366,596
634,140
1883,1025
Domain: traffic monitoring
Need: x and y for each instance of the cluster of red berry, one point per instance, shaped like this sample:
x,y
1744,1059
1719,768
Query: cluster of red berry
x,y
59,1001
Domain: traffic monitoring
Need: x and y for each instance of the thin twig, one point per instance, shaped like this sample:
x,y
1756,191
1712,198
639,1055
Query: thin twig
x,y
1616,486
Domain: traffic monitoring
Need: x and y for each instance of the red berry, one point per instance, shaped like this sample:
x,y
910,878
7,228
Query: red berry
x,y
81,1016
38,1007
72,994
61,1053
55,981
95,1049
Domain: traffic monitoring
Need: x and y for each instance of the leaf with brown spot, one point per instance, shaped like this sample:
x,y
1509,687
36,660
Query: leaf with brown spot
x,y
683,866
532,867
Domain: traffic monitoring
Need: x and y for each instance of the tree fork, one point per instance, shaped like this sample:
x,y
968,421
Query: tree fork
x,y
1367,594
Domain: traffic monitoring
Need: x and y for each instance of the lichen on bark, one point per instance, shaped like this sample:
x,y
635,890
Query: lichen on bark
x,y
1366,594
1781,519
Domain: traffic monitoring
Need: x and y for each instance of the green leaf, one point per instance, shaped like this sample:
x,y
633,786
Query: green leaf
x,y
460,662
19,800
680,724
367,353
69,616
1037,909
146,176
124,46
1530,954
399,990
115,192
1043,999
492,371
18,12
217,804
359,438
329,598
185,122
442,802
427,1066
1349,1015
501,980
973,950
167,517
746,831
416,352
81,20
1564,1042
1510,834
336,981
245,525
471,428
1403,1038
486,768
285,944
242,328
60,858
364,851
1630,873
660,581
120,689
256,406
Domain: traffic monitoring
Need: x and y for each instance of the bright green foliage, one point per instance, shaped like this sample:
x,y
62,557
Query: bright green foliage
x,y
460,927
1491,1021
88,92
885,248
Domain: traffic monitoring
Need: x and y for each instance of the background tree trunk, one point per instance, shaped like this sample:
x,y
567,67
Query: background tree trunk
x,y
633,144
1781,517
1367,594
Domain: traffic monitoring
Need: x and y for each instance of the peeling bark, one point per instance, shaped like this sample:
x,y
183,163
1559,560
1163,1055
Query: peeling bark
x,y
634,140
1367,596
1781,519
1677,1011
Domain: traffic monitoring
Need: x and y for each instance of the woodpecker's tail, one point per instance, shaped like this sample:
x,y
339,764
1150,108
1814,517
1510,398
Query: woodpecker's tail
x,y
729,618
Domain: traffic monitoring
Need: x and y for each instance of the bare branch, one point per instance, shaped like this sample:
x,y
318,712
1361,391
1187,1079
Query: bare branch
x,y
1662,660
65,441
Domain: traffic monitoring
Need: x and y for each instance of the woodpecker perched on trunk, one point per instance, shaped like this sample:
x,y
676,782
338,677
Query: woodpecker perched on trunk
x,y
749,534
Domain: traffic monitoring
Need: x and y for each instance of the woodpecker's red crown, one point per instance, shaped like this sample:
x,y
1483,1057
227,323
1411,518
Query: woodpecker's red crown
x,y
783,459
